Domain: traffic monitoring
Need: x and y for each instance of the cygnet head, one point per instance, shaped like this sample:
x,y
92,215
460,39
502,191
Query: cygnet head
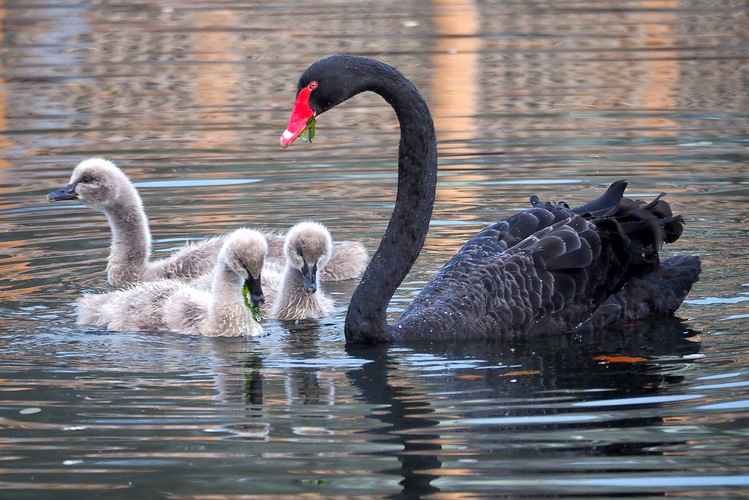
x,y
244,252
97,182
308,247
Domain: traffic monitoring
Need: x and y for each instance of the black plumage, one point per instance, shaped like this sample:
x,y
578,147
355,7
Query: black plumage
x,y
549,270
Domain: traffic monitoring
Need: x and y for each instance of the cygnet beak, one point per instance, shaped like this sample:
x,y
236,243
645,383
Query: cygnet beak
x,y
309,278
64,193
256,290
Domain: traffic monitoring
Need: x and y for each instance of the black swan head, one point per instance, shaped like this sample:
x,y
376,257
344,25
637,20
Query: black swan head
x,y
335,79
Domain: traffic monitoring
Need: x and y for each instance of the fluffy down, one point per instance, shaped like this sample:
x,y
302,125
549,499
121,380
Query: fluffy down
x,y
101,185
169,304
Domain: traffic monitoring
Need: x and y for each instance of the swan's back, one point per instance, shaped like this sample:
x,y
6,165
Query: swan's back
x,y
139,307
192,261
348,260
544,270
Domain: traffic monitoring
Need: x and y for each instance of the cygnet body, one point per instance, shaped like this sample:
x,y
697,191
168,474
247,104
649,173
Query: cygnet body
x,y
297,295
101,185
171,304
348,259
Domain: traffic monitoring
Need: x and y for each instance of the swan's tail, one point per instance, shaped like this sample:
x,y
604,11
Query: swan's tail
x,y
656,295
612,273
607,203
655,287
662,292
647,227
612,203
604,205
641,227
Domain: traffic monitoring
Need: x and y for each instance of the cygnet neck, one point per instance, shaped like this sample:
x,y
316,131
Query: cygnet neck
x,y
131,239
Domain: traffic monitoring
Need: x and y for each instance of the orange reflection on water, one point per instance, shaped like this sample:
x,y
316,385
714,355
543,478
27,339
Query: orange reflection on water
x,y
661,73
14,269
215,83
456,69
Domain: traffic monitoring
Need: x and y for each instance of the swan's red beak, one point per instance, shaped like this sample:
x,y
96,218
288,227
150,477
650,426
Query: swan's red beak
x,y
300,116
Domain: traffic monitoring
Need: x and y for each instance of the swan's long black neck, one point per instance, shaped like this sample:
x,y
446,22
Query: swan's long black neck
x,y
366,321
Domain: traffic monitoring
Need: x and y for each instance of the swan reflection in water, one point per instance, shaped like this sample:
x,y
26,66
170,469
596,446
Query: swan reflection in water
x,y
434,410
526,387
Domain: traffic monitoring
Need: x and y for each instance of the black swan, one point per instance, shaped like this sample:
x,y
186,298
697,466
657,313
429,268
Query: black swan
x,y
547,270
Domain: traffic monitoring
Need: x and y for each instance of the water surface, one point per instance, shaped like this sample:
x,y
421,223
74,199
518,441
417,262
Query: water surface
x,y
189,98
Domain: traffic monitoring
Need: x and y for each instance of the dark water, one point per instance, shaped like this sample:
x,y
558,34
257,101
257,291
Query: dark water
x,y
557,99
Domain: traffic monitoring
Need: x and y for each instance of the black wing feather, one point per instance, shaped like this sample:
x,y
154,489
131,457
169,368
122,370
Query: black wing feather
x,y
550,269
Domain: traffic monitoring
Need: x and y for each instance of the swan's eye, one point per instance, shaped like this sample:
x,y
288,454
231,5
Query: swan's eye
x,y
312,85
85,179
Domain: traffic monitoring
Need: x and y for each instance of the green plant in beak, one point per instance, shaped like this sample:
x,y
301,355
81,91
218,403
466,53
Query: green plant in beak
x,y
250,305
308,133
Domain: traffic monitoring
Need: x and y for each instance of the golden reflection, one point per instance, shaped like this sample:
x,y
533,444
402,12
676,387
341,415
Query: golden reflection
x,y
14,270
215,83
456,70
658,87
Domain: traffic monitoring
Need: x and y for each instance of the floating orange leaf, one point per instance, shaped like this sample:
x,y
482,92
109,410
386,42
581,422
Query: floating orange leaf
x,y
619,359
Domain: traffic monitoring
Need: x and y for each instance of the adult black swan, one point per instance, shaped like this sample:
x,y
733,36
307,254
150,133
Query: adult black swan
x,y
548,270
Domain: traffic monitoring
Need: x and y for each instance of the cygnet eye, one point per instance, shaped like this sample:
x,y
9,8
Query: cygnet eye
x,y
244,266
86,179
